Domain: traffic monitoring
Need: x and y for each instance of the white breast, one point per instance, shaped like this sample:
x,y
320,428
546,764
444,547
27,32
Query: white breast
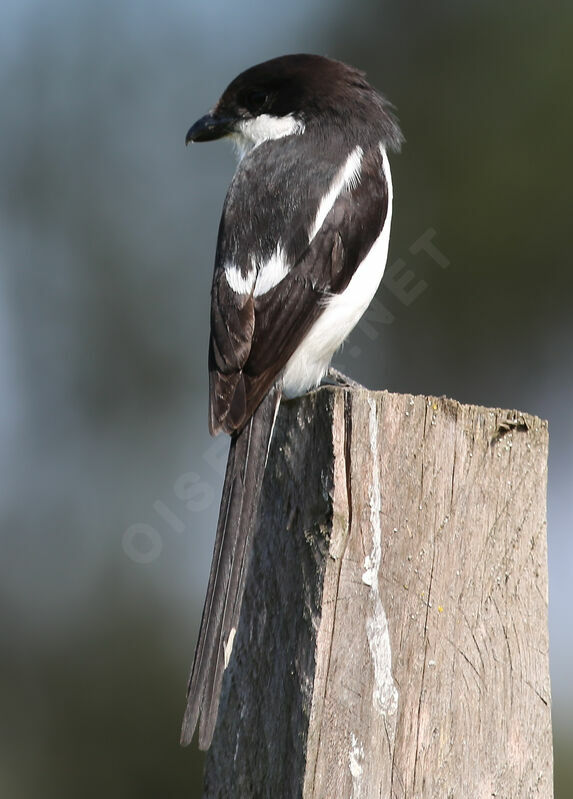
x,y
310,362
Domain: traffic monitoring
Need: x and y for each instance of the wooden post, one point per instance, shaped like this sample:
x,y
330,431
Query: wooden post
x,y
393,638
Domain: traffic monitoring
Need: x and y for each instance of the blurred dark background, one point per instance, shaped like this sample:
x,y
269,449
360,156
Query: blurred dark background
x,y
110,483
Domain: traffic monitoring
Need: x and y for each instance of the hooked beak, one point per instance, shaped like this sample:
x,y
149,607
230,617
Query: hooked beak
x,y
209,127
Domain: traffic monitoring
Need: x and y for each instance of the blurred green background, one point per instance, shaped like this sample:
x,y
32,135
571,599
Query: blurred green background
x,y
110,483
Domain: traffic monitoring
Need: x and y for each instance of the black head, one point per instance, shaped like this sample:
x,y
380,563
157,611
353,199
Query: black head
x,y
295,93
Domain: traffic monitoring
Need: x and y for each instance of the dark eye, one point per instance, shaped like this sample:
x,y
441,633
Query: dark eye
x,y
256,100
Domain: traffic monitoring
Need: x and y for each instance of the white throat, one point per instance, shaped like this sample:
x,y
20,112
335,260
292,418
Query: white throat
x,y
252,132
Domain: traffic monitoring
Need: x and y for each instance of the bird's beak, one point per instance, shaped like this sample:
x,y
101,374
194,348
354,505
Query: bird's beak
x,y
209,127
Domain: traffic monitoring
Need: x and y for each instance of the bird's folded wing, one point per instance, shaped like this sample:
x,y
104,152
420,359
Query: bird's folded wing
x,y
255,332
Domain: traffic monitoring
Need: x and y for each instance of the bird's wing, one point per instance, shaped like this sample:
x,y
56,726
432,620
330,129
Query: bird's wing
x,y
254,333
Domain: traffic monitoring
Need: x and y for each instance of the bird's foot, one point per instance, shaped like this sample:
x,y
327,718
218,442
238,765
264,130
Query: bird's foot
x,y
333,376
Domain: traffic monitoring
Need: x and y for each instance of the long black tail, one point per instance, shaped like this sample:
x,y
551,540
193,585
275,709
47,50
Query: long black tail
x,y
237,517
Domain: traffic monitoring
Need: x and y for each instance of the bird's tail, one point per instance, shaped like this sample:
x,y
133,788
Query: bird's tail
x,y
237,518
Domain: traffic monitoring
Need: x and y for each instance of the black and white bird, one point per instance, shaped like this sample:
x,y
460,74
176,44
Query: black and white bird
x,y
301,250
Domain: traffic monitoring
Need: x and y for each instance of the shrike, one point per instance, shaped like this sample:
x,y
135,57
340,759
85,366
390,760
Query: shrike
x,y
301,250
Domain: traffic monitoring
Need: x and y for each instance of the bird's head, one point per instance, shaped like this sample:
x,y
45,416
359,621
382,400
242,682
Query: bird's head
x,y
291,94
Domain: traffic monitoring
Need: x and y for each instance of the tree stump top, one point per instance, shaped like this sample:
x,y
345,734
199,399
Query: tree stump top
x,y
393,639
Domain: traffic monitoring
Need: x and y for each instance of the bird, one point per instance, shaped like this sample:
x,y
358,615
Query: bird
x,y
301,250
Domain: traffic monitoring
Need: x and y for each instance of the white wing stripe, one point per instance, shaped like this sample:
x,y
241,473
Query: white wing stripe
x,y
260,278
237,281
348,177
272,272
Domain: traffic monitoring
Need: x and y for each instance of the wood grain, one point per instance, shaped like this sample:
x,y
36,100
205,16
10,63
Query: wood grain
x,y
393,638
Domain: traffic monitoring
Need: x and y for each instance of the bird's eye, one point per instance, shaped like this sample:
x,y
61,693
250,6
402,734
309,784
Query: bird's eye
x,y
256,100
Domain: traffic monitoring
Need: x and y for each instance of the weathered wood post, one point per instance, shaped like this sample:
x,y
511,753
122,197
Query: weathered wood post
x,y
393,639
